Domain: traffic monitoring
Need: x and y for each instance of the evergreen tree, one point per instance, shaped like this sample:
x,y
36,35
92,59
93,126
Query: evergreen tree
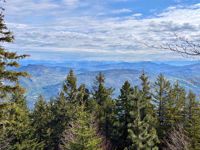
x,y
41,117
176,106
123,117
8,60
193,121
18,127
105,105
8,84
61,112
142,132
70,87
82,133
161,92
62,108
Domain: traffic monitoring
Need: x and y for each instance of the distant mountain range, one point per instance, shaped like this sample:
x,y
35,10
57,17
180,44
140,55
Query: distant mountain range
x,y
46,79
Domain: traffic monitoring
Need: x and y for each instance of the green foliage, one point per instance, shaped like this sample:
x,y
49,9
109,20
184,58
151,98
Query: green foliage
x,y
175,108
123,116
161,99
70,87
7,60
139,119
17,129
105,105
193,121
142,132
41,117
81,133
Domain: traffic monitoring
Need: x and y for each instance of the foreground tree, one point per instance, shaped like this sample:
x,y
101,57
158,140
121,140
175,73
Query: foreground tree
x,y
13,114
81,133
8,78
18,130
105,106
161,98
41,117
123,116
193,121
70,87
142,132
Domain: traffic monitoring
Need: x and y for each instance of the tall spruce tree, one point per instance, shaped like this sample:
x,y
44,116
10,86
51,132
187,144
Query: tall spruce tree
x,y
161,92
142,132
62,108
8,60
70,87
18,128
8,77
81,133
61,112
123,116
193,121
41,117
105,105
176,106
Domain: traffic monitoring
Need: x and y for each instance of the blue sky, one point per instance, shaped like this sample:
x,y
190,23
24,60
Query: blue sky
x,y
111,30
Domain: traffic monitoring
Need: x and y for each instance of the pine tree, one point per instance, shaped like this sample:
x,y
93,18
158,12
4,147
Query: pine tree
x,y
123,118
82,133
62,113
142,132
105,105
8,60
70,87
193,121
161,91
18,126
62,108
41,117
176,106
8,80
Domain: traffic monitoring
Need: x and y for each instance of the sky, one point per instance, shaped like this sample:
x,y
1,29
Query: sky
x,y
103,30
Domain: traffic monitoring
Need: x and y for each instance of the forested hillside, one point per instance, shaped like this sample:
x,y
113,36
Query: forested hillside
x,y
163,116
47,79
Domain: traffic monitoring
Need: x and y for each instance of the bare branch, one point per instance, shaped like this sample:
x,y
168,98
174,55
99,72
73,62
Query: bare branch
x,y
180,45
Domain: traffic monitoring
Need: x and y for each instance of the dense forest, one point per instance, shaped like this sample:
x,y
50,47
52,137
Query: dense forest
x,y
148,116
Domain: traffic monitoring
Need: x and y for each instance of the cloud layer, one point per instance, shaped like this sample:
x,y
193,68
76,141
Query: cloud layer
x,y
89,30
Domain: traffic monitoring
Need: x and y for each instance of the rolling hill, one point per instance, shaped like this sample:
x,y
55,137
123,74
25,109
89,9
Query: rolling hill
x,y
46,79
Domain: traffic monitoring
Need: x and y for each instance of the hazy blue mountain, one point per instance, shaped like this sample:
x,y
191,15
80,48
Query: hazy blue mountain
x,y
46,79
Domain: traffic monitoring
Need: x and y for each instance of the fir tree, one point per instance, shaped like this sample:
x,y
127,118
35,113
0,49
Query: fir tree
x,y
105,105
142,132
161,92
70,87
41,121
123,118
82,133
193,121
61,112
176,106
9,83
18,127
8,60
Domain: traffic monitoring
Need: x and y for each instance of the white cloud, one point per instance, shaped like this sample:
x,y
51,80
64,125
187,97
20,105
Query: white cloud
x,y
104,38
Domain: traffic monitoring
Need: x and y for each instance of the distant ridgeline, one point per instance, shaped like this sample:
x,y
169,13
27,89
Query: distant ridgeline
x,y
47,79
